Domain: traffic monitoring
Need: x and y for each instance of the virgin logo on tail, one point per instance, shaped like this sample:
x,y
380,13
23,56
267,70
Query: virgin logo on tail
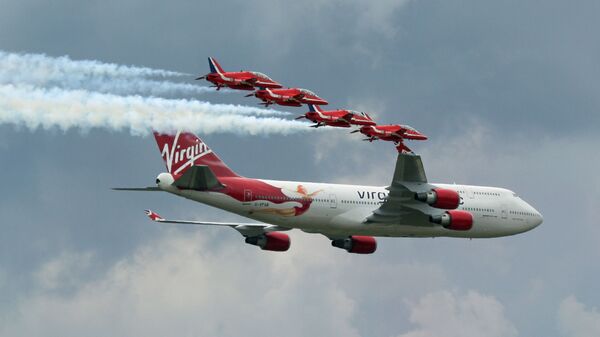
x,y
178,157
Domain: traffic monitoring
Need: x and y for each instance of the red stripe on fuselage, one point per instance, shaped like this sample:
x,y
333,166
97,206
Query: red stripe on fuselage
x,y
237,187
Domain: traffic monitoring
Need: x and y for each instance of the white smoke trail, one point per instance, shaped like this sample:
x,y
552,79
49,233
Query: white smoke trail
x,y
64,64
45,71
66,109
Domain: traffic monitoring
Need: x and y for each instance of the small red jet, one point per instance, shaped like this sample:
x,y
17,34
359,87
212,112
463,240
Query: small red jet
x,y
338,118
288,97
242,80
393,133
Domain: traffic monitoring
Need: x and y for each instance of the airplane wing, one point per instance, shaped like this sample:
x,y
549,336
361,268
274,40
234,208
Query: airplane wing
x,y
246,229
400,207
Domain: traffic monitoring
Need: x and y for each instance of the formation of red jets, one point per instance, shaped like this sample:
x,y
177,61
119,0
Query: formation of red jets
x,y
272,92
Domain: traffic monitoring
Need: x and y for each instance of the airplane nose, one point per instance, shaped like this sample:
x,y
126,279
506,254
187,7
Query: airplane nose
x,y
538,219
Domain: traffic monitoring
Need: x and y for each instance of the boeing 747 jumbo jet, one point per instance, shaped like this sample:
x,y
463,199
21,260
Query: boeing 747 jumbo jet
x,y
350,215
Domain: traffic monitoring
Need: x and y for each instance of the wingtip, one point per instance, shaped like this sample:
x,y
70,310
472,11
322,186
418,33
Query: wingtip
x,y
153,215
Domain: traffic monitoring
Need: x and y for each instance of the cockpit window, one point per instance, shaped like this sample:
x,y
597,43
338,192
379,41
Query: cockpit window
x,y
358,113
261,75
307,92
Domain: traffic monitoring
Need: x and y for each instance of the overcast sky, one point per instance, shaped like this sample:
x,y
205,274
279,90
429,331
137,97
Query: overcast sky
x,y
507,91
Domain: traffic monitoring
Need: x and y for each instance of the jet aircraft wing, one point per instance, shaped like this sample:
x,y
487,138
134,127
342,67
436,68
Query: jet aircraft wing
x,y
246,229
400,206
345,118
297,97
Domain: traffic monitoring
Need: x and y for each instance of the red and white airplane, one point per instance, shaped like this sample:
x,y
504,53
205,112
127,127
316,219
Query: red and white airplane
x,y
243,80
394,133
350,215
288,97
339,118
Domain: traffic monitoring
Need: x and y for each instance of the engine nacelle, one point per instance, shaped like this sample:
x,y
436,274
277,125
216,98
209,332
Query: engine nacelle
x,y
455,220
440,198
357,244
274,241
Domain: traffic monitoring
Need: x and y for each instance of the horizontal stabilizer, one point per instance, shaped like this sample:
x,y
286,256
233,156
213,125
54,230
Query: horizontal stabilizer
x,y
137,189
246,229
199,178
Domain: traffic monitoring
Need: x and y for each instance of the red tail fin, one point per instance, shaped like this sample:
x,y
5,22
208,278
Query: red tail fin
x,y
184,150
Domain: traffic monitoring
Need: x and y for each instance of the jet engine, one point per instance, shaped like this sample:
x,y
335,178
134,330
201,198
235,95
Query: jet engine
x,y
455,220
357,244
274,241
440,198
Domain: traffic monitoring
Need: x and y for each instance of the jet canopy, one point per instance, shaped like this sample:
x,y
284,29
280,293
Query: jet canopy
x,y
358,113
261,75
307,92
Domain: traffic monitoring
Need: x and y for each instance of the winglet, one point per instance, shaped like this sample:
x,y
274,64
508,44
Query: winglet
x,y
153,216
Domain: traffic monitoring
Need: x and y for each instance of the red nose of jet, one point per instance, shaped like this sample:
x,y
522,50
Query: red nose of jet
x,y
415,135
366,130
311,116
322,101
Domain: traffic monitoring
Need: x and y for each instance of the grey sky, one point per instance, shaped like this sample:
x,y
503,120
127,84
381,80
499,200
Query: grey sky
x,y
506,90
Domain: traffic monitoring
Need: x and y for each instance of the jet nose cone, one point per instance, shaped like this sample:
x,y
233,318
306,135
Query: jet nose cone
x,y
538,219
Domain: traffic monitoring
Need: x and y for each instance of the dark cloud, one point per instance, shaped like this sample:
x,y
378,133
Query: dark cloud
x,y
505,90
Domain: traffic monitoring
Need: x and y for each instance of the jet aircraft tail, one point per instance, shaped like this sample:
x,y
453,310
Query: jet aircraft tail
x,y
215,67
314,108
184,150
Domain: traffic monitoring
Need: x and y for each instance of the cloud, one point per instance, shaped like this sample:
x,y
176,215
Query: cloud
x,y
575,320
63,271
450,314
187,285
364,22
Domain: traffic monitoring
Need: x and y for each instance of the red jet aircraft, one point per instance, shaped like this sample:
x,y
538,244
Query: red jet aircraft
x,y
243,80
288,97
393,133
339,118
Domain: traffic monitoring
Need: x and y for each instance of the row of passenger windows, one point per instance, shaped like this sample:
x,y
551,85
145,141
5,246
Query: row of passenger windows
x,y
482,193
353,202
521,213
270,197
487,193
360,202
476,209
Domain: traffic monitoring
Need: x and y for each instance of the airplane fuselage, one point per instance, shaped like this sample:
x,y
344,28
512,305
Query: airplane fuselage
x,y
341,210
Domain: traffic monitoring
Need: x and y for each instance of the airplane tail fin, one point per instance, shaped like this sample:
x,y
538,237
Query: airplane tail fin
x,y
184,150
215,67
314,108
